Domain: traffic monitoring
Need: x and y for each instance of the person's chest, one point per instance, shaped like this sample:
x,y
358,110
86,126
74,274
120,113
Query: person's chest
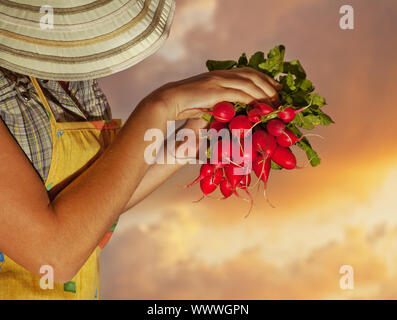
x,y
27,120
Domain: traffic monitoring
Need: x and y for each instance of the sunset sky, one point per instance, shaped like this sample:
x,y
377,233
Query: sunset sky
x,y
343,212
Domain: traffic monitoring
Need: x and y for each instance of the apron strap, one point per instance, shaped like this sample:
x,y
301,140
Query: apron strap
x,y
43,98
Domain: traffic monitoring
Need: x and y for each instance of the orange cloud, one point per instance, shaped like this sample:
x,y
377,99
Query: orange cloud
x,y
179,253
342,212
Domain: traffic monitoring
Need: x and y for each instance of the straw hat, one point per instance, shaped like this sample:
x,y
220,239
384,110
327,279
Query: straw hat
x,y
88,38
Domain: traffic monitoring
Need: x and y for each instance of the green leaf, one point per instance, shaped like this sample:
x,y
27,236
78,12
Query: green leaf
x,y
295,68
305,146
275,166
298,120
220,65
286,99
306,85
207,117
309,122
208,152
317,100
325,119
256,59
312,155
294,129
238,106
243,61
274,62
312,118
277,53
290,82
300,98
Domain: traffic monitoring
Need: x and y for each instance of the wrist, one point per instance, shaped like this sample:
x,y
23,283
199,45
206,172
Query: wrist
x,y
154,108
163,100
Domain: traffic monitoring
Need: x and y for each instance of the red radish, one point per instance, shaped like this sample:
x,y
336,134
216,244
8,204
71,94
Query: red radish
x,y
289,113
244,182
284,158
275,127
210,183
223,111
263,143
223,154
205,171
207,185
261,168
218,175
263,107
287,139
259,110
217,125
232,176
255,115
246,155
240,123
226,188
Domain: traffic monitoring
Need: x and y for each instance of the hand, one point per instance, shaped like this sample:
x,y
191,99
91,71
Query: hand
x,y
205,90
195,124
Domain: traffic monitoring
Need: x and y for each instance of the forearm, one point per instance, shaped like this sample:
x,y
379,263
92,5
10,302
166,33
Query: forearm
x,y
155,176
159,173
86,209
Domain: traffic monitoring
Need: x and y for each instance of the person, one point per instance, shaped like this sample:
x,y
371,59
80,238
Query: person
x,y
68,170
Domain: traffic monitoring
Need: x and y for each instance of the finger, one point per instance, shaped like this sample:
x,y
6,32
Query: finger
x,y
189,114
272,95
273,82
246,85
269,79
261,82
195,124
236,95
214,96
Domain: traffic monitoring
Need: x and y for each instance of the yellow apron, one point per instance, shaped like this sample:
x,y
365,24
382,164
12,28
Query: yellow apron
x,y
75,146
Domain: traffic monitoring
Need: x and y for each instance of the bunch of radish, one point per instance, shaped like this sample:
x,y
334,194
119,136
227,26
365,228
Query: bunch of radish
x,y
269,130
265,128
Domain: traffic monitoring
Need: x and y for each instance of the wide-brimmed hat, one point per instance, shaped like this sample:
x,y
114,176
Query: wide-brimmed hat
x,y
80,39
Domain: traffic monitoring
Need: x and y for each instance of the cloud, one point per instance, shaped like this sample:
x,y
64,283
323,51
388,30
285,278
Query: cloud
x,y
189,15
249,276
181,254
342,212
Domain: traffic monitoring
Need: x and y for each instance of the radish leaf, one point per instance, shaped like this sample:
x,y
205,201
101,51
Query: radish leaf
x,y
243,61
220,65
256,59
275,166
207,117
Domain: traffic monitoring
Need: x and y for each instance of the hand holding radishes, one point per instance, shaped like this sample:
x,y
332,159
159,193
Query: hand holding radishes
x,y
186,98
270,123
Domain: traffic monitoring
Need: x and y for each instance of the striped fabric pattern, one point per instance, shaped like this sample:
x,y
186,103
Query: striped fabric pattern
x,y
88,39
28,121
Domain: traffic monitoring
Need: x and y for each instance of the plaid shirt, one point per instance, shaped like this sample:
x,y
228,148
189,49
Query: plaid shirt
x,y
27,119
